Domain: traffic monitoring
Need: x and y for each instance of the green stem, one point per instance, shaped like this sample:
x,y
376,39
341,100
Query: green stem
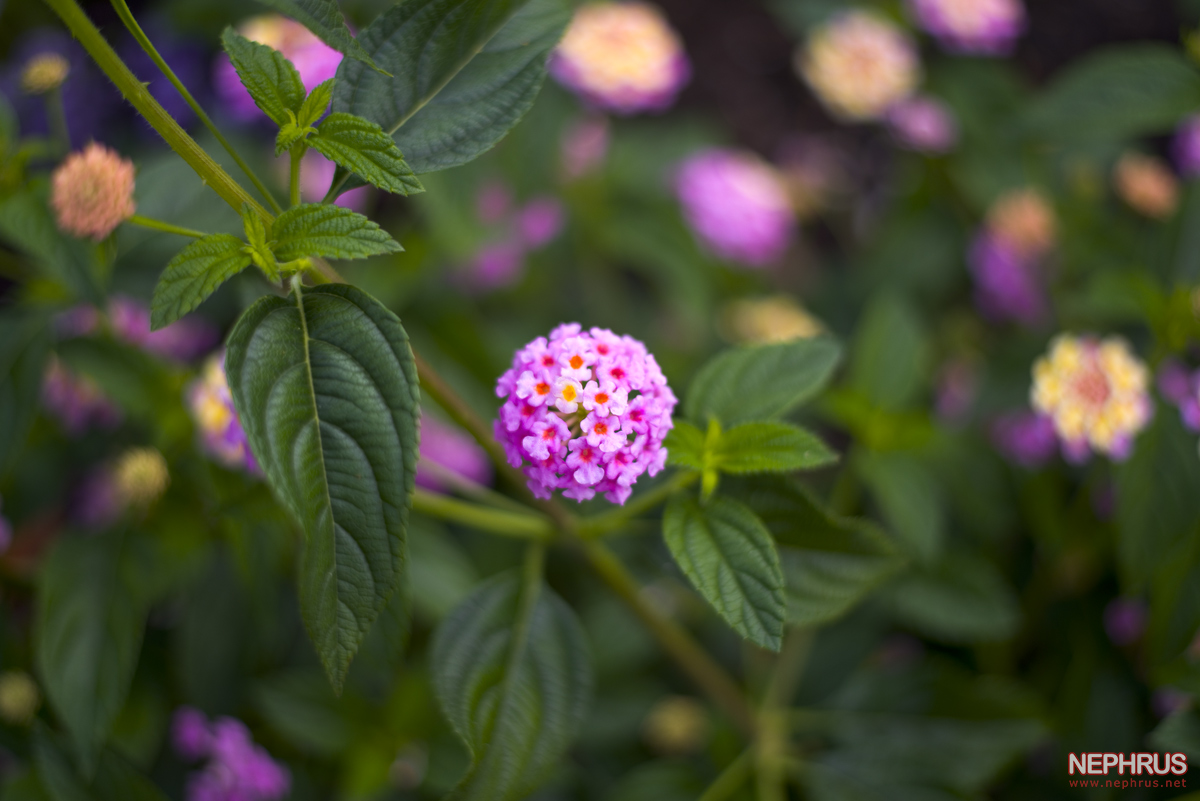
x,y
523,525
598,526
296,153
56,119
679,645
132,25
140,98
159,225
465,486
731,779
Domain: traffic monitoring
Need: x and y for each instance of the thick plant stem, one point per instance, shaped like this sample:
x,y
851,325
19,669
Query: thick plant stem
x,y
602,524
294,176
688,655
159,225
523,525
142,39
140,98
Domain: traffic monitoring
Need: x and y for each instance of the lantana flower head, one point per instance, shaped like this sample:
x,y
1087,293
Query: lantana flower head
x,y
923,124
622,57
585,412
237,768
44,72
1025,220
221,432
316,61
859,65
1096,393
983,27
91,192
737,204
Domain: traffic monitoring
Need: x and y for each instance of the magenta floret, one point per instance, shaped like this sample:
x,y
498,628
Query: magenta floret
x,y
584,412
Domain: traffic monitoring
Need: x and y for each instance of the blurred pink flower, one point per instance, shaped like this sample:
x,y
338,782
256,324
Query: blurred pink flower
x,y
453,449
316,174
184,340
737,205
1025,438
923,124
91,192
982,27
1186,147
584,146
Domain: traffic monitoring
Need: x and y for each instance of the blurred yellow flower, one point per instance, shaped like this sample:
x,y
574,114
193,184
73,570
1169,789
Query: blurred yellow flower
x,y
44,73
676,725
19,697
141,476
775,319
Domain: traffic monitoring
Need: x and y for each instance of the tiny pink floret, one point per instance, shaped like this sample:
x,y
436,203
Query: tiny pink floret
x,y
602,424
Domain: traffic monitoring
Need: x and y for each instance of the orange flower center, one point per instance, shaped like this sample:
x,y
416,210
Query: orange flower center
x,y
576,362
1091,387
600,428
542,389
602,398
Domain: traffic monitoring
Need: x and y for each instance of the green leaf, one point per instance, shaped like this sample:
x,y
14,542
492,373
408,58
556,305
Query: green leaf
x,y
316,104
27,224
326,388
325,19
114,778
87,635
830,563
194,274
685,446
289,134
1179,732
962,599
891,355
1157,503
513,675
768,448
464,73
362,147
24,348
761,382
259,248
1118,93
729,557
268,76
329,231
910,498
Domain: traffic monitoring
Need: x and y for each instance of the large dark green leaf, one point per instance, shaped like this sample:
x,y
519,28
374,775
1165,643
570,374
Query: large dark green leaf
x,y
464,72
26,224
761,382
830,563
1179,732
1158,507
729,557
24,346
1118,93
512,673
325,19
891,356
326,387
769,447
114,777
194,274
962,599
87,635
910,498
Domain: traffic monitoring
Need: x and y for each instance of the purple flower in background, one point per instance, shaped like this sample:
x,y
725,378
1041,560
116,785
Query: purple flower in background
x,y
501,261
76,401
1025,438
316,175
736,204
6,531
584,146
923,124
237,769
980,27
452,449
96,503
540,221
1181,388
88,98
184,340
221,432
314,60
1125,620
1006,285
621,57
1186,147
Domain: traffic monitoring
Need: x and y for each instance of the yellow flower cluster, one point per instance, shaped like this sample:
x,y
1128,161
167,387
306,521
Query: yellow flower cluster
x,y
44,72
1095,391
767,320
859,65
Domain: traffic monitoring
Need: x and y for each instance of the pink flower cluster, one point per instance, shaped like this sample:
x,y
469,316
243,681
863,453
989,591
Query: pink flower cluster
x,y
514,234
76,401
584,412
237,769
448,449
129,321
981,27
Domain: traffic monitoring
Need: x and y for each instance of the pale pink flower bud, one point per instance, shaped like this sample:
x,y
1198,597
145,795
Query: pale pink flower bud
x,y
92,192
